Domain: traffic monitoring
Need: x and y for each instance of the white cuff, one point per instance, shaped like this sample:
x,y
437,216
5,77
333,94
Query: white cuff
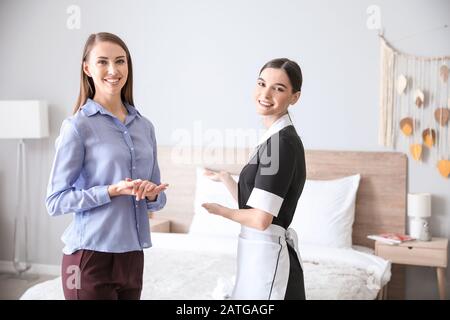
x,y
265,201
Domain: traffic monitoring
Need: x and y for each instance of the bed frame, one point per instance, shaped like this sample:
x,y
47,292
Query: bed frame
x,y
380,202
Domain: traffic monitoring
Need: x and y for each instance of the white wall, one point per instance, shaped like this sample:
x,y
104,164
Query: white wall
x,y
197,61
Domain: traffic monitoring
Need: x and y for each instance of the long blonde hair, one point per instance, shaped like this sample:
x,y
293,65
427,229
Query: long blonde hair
x,y
87,88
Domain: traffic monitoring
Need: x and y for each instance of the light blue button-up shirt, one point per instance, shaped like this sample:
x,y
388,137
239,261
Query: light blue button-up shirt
x,y
94,150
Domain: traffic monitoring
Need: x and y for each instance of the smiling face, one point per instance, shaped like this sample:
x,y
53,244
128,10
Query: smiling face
x,y
107,65
273,93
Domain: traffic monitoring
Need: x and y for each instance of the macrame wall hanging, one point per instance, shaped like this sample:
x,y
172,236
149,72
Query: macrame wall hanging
x,y
414,106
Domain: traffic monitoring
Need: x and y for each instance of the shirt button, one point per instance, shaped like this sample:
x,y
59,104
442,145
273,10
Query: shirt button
x,y
136,206
132,148
145,244
126,132
134,167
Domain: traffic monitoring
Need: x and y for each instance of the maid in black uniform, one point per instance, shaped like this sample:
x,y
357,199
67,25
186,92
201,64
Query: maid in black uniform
x,y
269,264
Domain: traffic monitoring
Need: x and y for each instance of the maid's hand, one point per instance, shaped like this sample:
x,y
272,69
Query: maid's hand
x,y
217,176
214,208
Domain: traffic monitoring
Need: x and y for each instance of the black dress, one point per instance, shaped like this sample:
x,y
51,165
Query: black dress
x,y
273,181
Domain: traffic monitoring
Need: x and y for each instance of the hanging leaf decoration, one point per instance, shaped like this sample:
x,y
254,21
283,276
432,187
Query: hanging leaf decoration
x,y
442,115
416,151
444,73
413,90
406,125
402,82
444,168
419,98
429,137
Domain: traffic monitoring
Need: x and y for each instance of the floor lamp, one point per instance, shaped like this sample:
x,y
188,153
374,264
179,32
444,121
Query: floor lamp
x,y
22,119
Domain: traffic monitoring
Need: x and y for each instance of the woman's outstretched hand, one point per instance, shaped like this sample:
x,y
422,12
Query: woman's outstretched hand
x,y
217,176
215,208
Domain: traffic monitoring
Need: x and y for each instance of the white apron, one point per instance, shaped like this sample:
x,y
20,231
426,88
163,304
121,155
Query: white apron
x,y
263,263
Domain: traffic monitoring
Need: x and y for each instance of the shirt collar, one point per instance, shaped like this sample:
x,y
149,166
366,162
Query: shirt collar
x,y
277,126
132,111
91,107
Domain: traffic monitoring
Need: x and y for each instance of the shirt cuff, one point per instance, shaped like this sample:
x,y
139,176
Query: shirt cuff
x,y
102,195
158,204
265,201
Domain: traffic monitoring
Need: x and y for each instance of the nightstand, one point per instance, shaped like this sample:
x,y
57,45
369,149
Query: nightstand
x,y
418,253
159,225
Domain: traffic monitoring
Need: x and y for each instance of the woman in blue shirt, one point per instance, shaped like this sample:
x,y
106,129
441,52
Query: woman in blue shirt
x,y
106,173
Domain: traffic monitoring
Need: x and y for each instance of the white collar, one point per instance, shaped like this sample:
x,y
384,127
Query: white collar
x,y
278,125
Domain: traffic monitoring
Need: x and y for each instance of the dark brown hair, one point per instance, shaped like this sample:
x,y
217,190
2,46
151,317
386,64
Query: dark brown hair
x,y
291,68
87,88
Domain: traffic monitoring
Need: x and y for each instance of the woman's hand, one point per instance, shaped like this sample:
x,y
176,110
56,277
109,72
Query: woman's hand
x,y
217,209
123,187
147,189
139,188
218,176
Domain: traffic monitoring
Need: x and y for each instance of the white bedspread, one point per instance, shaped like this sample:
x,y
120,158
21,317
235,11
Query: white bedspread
x,y
181,266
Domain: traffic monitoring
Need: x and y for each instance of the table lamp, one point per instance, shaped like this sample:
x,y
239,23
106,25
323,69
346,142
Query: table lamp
x,y
419,213
21,120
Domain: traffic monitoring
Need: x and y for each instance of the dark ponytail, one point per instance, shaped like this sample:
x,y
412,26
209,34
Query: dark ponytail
x,y
291,68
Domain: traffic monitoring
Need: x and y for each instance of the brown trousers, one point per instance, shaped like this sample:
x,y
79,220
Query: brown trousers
x,y
93,275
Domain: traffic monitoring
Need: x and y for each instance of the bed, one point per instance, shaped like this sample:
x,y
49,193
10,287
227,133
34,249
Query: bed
x,y
197,260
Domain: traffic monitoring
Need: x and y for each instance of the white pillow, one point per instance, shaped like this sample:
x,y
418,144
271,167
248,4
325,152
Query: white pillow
x,y
204,222
326,211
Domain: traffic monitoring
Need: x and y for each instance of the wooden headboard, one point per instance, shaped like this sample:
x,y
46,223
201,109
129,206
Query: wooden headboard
x,y
382,192
380,202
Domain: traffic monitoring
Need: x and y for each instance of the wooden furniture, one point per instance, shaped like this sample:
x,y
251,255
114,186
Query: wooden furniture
x,y
159,225
380,202
418,253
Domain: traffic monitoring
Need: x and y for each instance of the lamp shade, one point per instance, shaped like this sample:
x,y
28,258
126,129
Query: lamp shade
x,y
23,119
419,205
